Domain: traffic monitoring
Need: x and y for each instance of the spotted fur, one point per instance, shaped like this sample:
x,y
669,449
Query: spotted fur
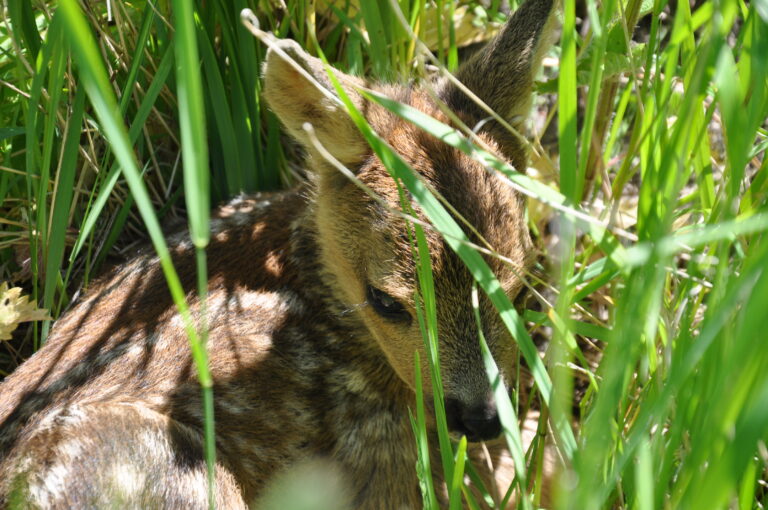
x,y
307,373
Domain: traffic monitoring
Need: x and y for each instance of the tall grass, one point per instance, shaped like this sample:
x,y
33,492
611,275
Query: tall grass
x,y
654,206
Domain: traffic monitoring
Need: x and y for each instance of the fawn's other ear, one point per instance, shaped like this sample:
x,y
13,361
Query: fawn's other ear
x,y
502,73
297,98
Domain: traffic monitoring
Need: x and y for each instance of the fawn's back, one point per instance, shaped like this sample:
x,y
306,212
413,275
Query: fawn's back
x,y
311,316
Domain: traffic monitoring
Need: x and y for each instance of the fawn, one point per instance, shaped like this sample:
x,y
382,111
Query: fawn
x,y
312,331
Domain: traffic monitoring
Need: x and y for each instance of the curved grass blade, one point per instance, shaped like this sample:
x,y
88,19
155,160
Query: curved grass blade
x,y
506,410
94,78
108,184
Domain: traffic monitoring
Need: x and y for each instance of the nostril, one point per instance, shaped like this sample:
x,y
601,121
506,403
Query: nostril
x,y
478,423
482,422
453,415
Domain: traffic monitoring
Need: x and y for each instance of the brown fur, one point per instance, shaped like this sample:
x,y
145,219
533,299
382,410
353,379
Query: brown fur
x,y
306,371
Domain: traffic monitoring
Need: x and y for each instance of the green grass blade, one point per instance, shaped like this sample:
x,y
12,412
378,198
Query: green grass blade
x,y
65,179
56,68
379,52
138,56
33,155
644,477
109,182
23,19
94,79
428,324
194,146
570,180
194,149
419,426
223,116
506,410
457,482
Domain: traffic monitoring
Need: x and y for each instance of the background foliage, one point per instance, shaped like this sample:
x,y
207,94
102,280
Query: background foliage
x,y
649,199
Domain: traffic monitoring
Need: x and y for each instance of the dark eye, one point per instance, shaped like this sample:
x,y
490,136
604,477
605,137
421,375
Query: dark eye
x,y
386,306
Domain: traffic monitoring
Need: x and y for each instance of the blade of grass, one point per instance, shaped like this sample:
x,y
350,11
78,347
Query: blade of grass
x,y
506,410
379,53
138,56
99,200
194,149
419,426
192,123
23,19
33,155
56,68
94,79
258,157
65,178
458,475
223,116
570,179
644,477
427,316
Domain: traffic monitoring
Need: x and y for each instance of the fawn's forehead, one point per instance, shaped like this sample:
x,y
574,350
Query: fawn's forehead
x,y
478,195
446,169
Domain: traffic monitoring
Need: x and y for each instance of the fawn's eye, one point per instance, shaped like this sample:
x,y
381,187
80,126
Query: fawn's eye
x,y
386,306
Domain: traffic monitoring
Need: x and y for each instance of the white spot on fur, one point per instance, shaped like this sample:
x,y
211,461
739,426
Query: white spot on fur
x,y
221,309
71,415
354,380
71,449
176,322
249,202
192,484
252,300
51,485
154,443
147,345
127,480
273,302
218,225
241,218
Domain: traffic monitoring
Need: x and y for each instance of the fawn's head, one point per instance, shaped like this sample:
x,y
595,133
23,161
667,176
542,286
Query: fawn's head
x,y
366,247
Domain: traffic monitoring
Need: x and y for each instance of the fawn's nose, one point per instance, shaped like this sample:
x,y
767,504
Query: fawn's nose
x,y
479,422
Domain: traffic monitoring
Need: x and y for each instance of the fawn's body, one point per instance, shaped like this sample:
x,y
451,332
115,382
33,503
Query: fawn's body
x,y
311,327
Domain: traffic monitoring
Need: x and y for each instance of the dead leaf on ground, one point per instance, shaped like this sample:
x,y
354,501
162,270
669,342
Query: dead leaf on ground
x,y
15,308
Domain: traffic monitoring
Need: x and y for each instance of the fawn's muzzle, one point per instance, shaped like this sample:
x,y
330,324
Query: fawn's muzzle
x,y
479,422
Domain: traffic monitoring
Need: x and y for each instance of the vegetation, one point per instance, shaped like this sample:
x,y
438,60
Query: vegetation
x,y
651,207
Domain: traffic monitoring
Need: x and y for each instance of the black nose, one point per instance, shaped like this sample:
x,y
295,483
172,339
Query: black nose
x,y
479,422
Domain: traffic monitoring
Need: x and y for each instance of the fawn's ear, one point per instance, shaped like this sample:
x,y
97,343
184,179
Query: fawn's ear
x,y
299,97
502,73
